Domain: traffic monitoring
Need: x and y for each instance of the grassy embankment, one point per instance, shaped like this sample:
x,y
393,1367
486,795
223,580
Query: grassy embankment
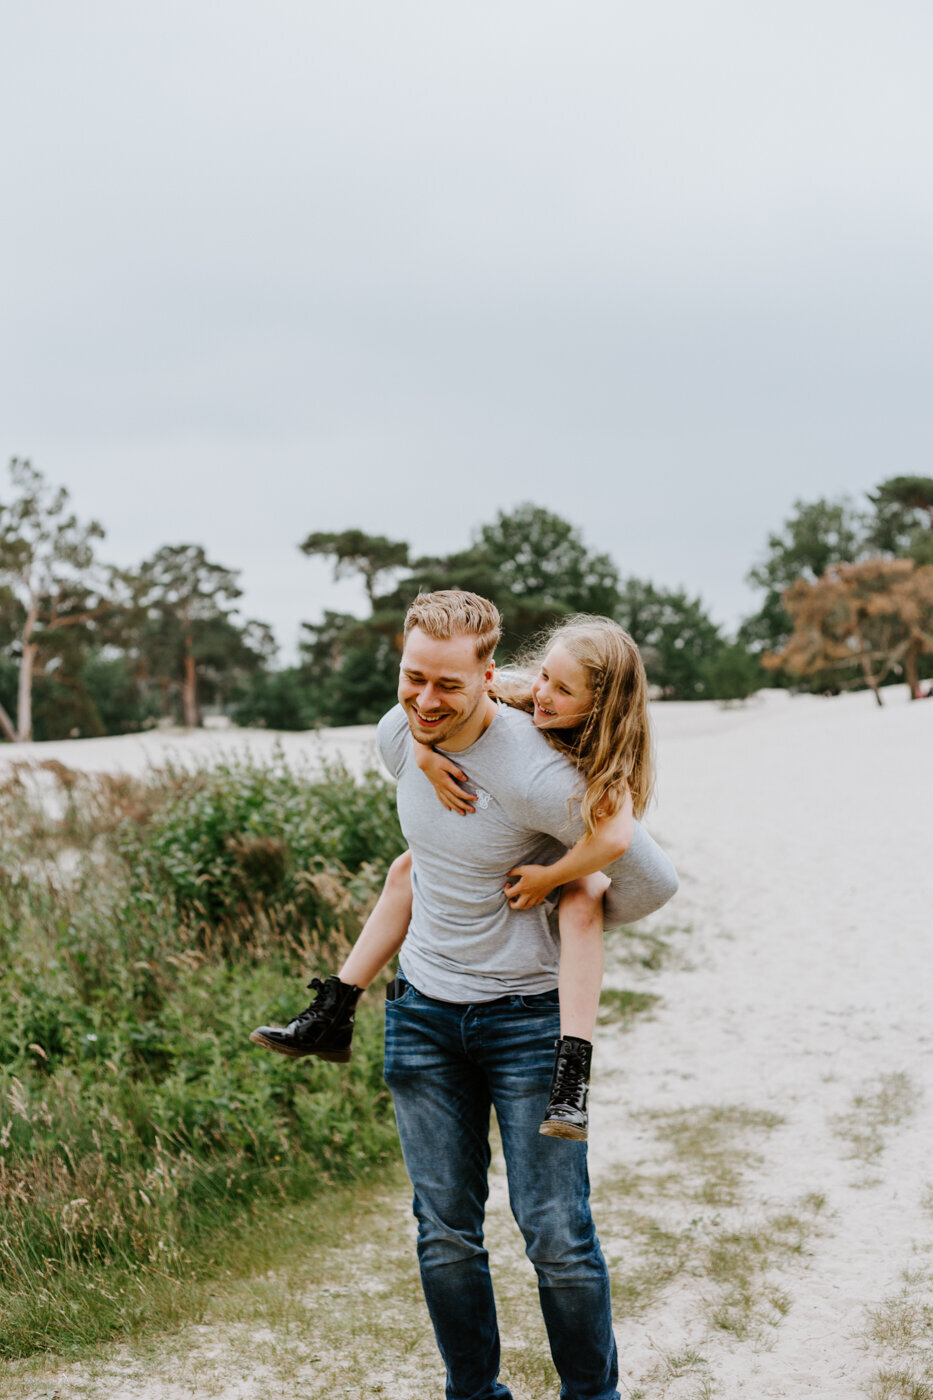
x,y
144,930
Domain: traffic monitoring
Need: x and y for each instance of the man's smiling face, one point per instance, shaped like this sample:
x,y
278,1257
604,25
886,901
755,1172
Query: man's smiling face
x,y
443,689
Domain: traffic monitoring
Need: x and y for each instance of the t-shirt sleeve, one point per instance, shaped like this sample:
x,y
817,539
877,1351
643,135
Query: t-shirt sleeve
x,y
392,739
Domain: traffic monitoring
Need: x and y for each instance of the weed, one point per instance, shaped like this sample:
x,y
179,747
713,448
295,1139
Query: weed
x,y
899,1385
683,1363
706,1145
900,1322
889,1102
735,1260
620,1007
641,948
900,1330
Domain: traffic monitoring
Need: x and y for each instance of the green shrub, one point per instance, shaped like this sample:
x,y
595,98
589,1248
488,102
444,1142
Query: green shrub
x,y
235,841
138,1126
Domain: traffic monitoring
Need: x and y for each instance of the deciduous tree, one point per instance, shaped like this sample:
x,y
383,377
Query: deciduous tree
x,y
538,554
868,619
52,586
676,637
817,534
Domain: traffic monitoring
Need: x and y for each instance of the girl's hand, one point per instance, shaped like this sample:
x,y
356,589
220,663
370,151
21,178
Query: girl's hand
x,y
532,885
442,773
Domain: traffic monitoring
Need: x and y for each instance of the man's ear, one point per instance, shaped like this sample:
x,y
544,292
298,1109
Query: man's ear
x,y
489,674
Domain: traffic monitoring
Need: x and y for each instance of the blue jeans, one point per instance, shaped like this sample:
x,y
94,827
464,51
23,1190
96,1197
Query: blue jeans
x,y
446,1063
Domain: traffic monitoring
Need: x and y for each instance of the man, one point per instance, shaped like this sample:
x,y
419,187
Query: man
x,y
473,1018
477,1016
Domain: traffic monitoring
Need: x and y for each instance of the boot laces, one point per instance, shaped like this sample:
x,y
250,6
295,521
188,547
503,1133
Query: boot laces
x,y
569,1076
319,1006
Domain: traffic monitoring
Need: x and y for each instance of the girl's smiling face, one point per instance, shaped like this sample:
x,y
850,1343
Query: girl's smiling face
x,y
561,691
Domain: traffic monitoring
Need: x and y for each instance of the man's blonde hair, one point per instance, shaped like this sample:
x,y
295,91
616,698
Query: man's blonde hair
x,y
451,612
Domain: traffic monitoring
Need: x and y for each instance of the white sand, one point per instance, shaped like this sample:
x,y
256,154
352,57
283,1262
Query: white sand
x,y
803,832
136,753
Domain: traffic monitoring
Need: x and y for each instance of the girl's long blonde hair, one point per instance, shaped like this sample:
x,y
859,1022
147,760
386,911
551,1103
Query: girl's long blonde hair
x,y
612,747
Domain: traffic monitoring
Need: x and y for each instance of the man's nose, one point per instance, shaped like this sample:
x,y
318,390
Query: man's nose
x,y
428,696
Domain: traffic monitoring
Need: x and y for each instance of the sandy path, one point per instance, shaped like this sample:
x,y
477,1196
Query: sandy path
x,y
795,1030
804,834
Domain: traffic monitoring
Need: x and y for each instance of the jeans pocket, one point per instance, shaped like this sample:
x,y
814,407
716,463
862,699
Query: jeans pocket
x,y
403,992
541,1001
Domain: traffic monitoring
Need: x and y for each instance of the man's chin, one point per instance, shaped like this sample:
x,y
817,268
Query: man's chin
x,y
427,733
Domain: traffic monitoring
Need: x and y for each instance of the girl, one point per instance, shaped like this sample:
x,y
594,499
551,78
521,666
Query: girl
x,y
586,690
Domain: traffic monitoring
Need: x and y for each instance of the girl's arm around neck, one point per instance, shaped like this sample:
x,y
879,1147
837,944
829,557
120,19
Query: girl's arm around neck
x,y
446,778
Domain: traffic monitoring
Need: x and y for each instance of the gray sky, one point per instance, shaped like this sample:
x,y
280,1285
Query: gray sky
x,y
281,267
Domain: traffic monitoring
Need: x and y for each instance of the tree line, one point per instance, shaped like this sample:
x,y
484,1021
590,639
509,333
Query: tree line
x,y
88,649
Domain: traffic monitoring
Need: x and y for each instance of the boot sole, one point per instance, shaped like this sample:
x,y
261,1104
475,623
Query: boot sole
x,y
563,1130
338,1057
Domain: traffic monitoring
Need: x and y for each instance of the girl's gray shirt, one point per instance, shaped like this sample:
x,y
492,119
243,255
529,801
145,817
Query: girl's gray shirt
x,y
464,942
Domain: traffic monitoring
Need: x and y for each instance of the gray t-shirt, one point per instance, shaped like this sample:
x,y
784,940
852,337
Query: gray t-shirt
x,y
464,942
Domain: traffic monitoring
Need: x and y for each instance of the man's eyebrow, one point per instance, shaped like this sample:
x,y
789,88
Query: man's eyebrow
x,y
441,680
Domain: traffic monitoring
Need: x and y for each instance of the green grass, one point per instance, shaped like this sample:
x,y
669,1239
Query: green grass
x,y
887,1102
297,1289
647,950
709,1145
620,1007
899,1332
140,1132
685,1216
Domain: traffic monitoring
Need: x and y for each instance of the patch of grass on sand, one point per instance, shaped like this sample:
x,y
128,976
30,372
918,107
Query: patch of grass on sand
x,y
900,1331
710,1147
323,1298
647,949
707,1155
899,1385
673,1369
312,1297
620,1006
890,1100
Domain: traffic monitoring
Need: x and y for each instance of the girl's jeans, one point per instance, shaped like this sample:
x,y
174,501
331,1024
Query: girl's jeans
x,y
446,1062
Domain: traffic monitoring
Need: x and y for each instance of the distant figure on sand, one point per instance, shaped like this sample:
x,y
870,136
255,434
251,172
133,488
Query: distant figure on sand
x,y
473,1017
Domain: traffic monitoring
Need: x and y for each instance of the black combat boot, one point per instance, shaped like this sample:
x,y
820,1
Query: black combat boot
x,y
566,1107
325,1028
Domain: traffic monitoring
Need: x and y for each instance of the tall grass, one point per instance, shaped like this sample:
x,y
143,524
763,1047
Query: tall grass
x,y
144,930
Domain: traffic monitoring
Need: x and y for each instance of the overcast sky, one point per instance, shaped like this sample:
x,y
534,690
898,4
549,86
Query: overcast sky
x,y
287,266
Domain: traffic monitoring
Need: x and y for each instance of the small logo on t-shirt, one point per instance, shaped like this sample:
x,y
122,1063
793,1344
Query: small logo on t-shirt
x,y
482,798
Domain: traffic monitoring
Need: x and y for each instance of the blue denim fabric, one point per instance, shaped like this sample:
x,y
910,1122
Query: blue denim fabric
x,y
446,1063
